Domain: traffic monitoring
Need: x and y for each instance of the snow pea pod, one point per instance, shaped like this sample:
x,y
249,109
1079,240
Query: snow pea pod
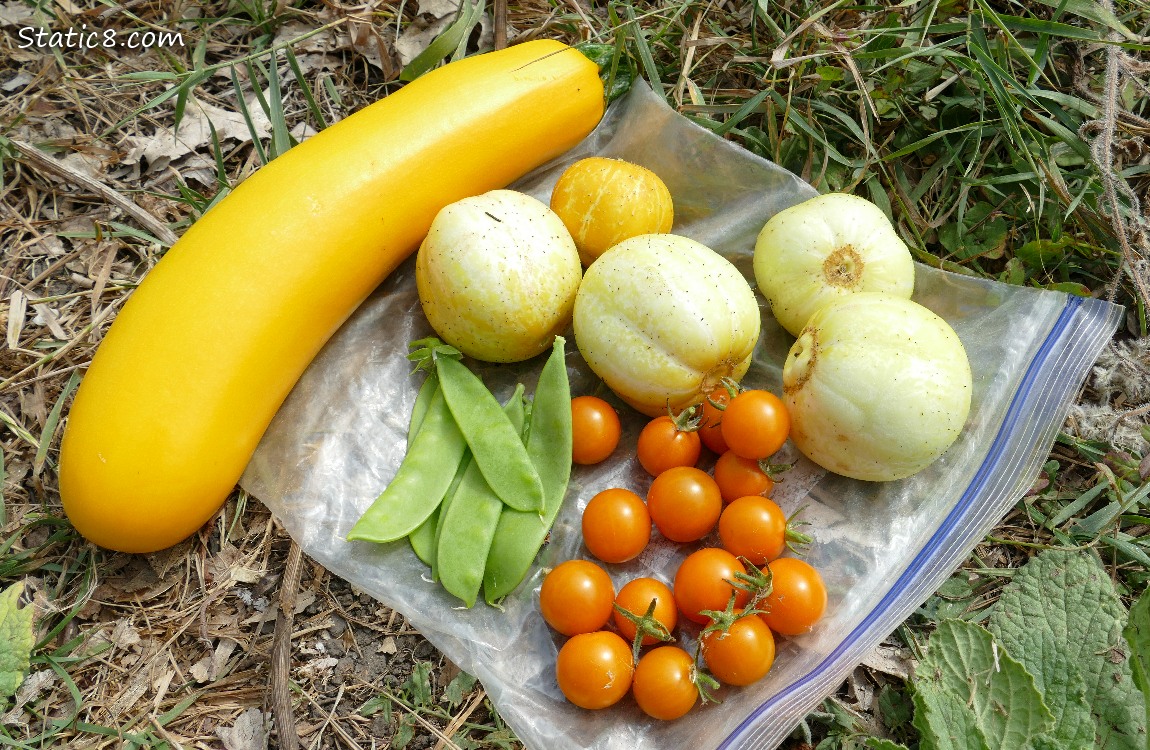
x,y
422,540
419,408
495,444
520,534
467,524
420,483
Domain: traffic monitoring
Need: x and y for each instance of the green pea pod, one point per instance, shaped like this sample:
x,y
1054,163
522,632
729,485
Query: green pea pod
x,y
423,478
520,534
467,524
495,444
419,408
466,467
422,540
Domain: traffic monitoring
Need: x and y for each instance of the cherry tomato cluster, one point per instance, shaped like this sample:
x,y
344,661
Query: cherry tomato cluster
x,y
737,596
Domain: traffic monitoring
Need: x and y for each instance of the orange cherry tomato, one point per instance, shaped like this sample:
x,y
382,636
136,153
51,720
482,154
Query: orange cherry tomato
x,y
595,430
662,446
577,596
710,425
664,683
594,670
703,582
754,528
742,654
798,597
616,525
738,477
685,503
636,597
756,424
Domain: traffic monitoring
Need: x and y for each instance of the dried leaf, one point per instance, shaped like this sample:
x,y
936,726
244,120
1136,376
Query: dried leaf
x,y
248,733
195,133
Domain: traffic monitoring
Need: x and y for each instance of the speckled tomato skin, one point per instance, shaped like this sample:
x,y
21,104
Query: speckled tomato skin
x,y
497,276
662,319
878,387
605,201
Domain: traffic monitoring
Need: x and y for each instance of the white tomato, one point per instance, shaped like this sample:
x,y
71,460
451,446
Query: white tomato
x,y
662,319
877,386
826,248
497,276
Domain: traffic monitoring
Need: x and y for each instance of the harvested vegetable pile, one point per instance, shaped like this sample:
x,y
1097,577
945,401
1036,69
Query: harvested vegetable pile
x,y
108,155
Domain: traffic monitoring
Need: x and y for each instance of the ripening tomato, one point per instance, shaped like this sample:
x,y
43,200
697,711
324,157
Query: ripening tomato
x,y
710,424
703,582
616,525
594,670
738,477
664,683
603,201
755,424
754,528
798,597
685,503
662,446
595,429
577,596
636,597
742,654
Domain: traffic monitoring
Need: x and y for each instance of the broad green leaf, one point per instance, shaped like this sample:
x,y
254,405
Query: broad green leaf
x,y
1137,633
972,695
1044,253
1070,287
874,743
16,639
616,71
1062,619
458,688
946,723
418,685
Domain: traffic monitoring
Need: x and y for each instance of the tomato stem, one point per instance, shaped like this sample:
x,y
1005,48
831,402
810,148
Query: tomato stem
x,y
704,683
797,541
774,470
755,582
688,420
647,625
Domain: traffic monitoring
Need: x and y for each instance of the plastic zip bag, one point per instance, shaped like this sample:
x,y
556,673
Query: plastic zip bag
x,y
883,548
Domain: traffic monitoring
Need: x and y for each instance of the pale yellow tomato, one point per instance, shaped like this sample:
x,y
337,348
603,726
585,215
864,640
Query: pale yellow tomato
x,y
605,201
497,276
662,319
877,387
827,248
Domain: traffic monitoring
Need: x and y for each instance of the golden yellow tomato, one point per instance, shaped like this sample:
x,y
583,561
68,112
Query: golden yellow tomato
x,y
605,201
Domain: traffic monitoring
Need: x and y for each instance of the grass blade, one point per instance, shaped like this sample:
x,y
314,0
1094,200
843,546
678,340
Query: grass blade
x,y
443,45
308,95
247,115
51,423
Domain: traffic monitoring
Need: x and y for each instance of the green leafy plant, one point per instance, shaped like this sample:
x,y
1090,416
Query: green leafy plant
x,y
16,639
1053,668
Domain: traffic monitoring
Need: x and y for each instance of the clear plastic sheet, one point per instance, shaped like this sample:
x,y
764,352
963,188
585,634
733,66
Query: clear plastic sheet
x,y
883,548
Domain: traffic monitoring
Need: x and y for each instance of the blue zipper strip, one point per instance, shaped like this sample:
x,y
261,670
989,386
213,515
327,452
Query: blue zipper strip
x,y
932,549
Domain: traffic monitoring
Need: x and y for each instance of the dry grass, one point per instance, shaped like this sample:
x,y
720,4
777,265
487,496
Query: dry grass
x,y
176,647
